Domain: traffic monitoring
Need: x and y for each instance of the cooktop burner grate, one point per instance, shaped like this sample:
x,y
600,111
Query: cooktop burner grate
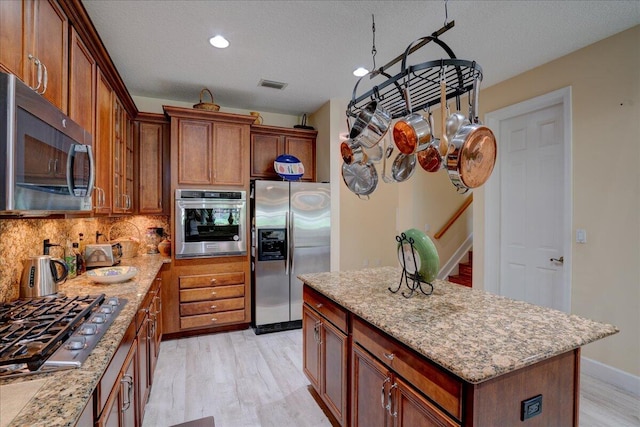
x,y
31,330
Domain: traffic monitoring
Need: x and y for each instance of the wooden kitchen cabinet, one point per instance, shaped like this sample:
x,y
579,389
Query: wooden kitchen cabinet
x,y
152,154
380,397
208,149
122,184
325,351
34,37
120,409
82,80
268,142
103,145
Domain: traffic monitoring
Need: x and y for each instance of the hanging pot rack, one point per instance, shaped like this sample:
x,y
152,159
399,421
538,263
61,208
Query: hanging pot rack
x,y
419,83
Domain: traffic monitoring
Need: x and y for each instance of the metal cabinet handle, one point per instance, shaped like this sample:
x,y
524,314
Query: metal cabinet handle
x,y
46,78
213,319
213,280
128,381
39,72
386,380
389,356
319,305
559,260
213,293
213,307
390,401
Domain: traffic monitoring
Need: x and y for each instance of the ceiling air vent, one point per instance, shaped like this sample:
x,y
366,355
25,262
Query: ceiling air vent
x,y
271,84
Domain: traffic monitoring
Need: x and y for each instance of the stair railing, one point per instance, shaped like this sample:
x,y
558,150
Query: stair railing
x,y
454,218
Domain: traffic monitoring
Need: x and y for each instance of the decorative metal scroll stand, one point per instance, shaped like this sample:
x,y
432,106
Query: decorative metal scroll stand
x,y
412,280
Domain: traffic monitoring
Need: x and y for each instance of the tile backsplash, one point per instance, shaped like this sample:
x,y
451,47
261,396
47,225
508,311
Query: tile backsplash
x,y
22,238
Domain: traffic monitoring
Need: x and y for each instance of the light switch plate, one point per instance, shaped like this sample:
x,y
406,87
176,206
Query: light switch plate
x,y
581,235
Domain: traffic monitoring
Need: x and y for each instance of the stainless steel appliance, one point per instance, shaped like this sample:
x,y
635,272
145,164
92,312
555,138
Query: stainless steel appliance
x,y
40,276
291,225
210,223
102,255
52,333
47,159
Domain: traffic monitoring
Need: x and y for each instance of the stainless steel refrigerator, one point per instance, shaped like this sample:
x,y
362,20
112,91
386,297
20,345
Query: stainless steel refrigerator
x,y
290,226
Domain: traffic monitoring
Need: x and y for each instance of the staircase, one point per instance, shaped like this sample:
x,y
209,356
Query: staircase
x,y
464,276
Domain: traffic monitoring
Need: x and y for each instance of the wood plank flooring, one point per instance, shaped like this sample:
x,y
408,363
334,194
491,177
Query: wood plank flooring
x,y
248,380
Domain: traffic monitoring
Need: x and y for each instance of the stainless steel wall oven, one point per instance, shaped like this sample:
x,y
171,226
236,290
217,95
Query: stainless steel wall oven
x,y
210,223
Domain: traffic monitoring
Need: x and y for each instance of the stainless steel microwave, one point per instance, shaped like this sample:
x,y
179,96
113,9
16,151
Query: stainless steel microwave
x,y
45,157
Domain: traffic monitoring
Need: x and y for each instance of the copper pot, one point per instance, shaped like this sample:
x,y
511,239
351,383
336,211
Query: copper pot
x,y
411,132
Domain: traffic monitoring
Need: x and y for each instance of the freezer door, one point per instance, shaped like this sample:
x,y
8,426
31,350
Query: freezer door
x,y
306,260
271,292
271,204
310,216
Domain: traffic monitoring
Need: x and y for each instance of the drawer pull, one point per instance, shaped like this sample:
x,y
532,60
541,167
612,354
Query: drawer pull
x,y
213,307
389,356
214,319
213,293
213,281
319,305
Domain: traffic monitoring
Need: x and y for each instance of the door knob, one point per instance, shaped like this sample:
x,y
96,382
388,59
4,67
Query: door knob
x,y
560,260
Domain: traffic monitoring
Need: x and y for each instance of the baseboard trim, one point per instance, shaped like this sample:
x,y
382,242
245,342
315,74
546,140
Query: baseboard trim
x,y
614,376
457,256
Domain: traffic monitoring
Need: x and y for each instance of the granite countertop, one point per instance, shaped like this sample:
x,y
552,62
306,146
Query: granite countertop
x,y
471,333
58,398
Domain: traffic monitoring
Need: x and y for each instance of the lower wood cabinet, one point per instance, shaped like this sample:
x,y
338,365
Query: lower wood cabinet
x,y
207,295
124,388
325,352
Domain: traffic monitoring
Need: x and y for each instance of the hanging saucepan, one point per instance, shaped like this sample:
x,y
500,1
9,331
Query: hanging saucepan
x,y
455,121
360,178
472,152
429,158
388,150
411,132
352,152
371,125
403,167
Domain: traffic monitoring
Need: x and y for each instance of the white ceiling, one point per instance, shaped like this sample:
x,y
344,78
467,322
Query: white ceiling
x,y
161,48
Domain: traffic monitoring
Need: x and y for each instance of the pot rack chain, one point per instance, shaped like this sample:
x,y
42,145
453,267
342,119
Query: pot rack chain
x,y
373,47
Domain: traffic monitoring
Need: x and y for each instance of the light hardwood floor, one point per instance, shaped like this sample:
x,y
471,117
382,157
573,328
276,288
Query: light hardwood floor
x,y
248,380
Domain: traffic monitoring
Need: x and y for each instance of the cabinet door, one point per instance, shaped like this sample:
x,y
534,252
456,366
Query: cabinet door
x,y
12,37
195,157
311,346
305,150
103,145
410,409
82,79
119,202
264,150
143,378
128,395
230,153
370,382
49,43
333,388
150,177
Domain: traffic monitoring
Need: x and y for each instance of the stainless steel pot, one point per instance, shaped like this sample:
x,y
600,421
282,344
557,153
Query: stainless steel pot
x,y
360,178
371,125
403,167
41,276
411,132
352,152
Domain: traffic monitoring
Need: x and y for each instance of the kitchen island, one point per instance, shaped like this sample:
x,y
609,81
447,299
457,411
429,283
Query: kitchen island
x,y
60,398
456,357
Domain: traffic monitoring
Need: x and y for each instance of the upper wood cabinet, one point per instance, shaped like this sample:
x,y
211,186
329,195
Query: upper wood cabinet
x,y
13,37
122,189
82,81
208,149
103,145
268,142
152,153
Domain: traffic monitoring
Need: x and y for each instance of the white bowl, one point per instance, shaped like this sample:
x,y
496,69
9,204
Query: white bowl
x,y
112,274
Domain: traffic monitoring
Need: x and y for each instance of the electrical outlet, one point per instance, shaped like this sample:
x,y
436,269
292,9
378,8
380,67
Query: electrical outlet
x,y
531,407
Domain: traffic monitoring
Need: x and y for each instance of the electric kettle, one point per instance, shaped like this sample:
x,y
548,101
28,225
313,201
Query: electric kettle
x,y
41,276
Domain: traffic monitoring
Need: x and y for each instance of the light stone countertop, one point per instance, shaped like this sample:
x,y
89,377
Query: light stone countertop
x,y
62,395
473,334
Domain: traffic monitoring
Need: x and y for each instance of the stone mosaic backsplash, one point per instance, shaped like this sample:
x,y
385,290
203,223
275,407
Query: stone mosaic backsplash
x,y
22,238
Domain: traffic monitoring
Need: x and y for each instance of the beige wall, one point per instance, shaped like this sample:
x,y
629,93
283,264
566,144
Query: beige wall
x,y
605,82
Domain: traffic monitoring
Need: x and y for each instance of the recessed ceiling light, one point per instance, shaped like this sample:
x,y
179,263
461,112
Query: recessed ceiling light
x,y
219,42
361,71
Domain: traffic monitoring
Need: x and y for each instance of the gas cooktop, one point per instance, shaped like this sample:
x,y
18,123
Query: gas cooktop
x,y
52,333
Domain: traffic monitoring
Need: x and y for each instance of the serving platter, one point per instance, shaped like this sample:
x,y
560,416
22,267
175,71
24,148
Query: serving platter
x,y
112,274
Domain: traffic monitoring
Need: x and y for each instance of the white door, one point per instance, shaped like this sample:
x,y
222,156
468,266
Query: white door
x,y
530,248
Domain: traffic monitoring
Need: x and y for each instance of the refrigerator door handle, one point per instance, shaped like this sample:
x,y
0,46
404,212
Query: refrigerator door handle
x,y
291,241
286,258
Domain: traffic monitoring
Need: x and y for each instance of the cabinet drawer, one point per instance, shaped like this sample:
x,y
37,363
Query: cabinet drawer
x,y
210,294
213,319
437,384
208,280
329,309
203,307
